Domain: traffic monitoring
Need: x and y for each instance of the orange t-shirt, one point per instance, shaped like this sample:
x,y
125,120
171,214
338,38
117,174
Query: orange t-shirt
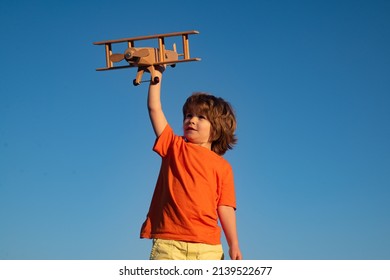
x,y
192,183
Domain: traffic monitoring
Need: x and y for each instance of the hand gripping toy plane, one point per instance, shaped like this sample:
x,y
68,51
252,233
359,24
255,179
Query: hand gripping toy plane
x,y
146,58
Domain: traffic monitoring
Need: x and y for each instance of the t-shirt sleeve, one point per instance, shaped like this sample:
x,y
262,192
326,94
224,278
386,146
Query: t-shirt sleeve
x,y
227,195
164,141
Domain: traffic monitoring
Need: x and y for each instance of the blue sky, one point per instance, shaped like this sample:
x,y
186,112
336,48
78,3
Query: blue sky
x,y
309,81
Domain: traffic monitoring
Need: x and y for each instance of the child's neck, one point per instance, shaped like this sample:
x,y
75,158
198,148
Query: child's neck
x,y
206,145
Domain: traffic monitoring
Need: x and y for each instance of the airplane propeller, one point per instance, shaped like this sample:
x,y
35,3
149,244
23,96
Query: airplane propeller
x,y
130,54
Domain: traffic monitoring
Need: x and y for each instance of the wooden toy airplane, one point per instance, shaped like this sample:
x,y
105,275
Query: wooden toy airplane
x,y
146,58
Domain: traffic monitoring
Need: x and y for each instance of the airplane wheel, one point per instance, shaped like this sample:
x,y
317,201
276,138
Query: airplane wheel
x,y
156,80
135,82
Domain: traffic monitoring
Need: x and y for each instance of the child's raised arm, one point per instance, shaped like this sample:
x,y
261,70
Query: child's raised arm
x,y
156,113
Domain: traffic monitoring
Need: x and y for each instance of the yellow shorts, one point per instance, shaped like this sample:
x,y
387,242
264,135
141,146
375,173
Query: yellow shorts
x,y
178,250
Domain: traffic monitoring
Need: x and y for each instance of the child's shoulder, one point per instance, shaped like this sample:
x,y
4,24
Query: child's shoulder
x,y
215,159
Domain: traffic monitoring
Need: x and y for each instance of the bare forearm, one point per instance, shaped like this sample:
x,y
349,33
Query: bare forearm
x,y
227,217
154,94
156,113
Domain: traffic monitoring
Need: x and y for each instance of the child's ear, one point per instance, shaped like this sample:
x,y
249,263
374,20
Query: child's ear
x,y
214,135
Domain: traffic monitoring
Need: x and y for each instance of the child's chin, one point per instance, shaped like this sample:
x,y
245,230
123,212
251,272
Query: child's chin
x,y
190,140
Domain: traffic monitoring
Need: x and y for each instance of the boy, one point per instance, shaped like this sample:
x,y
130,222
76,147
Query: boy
x,y
195,186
